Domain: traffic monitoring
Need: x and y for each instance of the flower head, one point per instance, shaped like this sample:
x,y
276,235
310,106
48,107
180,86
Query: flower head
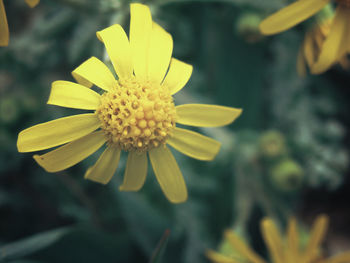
x,y
282,249
312,47
336,45
4,29
135,113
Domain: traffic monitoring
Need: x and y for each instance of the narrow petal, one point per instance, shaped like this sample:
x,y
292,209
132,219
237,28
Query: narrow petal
x,y
56,132
178,75
71,153
194,144
140,34
118,49
309,50
96,72
135,172
273,240
72,95
291,15
219,258
168,174
4,28
301,66
293,240
32,3
160,50
333,48
340,258
242,248
105,167
317,235
204,115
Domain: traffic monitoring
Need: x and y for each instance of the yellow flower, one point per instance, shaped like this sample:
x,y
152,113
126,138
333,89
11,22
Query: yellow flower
x,y
312,46
136,113
282,250
337,43
4,29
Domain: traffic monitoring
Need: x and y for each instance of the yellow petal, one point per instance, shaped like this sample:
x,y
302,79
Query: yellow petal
x,y
140,34
291,16
194,144
72,95
168,174
333,47
317,235
32,3
118,49
160,50
135,172
219,258
242,248
4,28
105,167
309,49
293,240
273,240
95,71
340,258
178,75
71,153
204,115
56,132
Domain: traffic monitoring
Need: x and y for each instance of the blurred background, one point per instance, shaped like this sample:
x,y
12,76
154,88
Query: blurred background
x,y
287,154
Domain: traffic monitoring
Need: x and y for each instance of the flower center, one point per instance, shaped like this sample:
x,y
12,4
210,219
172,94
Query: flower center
x,y
344,2
137,116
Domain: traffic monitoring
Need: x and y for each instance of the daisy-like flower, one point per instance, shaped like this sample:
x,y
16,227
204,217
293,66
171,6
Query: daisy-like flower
x,y
4,29
135,114
312,46
282,249
337,43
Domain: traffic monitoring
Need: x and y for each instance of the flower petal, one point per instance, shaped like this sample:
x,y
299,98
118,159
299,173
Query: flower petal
x,y
194,144
219,258
204,115
317,235
178,75
105,167
309,49
333,48
118,49
56,132
72,95
140,34
291,16
135,172
242,248
94,71
32,3
71,153
4,28
273,240
160,50
293,240
168,174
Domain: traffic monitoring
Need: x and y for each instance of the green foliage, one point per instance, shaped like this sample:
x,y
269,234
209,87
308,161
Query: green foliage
x,y
307,117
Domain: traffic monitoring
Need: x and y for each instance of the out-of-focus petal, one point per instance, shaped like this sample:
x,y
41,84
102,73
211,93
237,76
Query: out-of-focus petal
x,y
291,16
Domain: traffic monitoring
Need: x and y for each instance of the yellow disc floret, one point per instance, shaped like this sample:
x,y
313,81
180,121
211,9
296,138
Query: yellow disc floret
x,y
137,116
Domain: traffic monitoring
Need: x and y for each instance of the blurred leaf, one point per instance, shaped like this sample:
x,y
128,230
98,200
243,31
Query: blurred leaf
x,y
32,244
159,251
